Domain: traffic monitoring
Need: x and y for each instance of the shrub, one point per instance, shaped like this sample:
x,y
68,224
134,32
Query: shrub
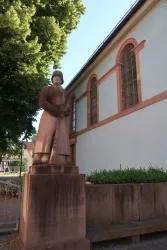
x,y
142,175
11,190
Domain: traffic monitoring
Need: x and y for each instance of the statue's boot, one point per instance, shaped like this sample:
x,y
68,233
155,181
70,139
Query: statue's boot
x,y
45,158
60,160
40,159
37,159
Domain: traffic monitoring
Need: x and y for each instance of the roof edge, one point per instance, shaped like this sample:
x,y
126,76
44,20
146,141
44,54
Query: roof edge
x,y
135,7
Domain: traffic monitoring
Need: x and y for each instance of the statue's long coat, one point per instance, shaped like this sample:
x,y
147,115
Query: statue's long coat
x,y
52,137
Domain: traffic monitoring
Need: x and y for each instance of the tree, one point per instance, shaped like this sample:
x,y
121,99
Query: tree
x,y
33,34
13,150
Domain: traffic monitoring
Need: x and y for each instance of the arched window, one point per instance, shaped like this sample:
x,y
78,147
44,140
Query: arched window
x,y
93,101
129,77
73,115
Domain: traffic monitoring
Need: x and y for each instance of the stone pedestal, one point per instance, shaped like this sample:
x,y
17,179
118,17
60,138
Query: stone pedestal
x,y
53,209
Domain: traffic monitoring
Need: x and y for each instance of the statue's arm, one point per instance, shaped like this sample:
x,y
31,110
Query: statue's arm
x,y
43,102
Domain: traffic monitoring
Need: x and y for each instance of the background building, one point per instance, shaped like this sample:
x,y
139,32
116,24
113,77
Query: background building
x,y
28,152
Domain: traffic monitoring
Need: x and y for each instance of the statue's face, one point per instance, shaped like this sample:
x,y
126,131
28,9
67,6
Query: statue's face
x,y
56,80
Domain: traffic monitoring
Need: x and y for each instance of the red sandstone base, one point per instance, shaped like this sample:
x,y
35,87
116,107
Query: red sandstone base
x,y
53,212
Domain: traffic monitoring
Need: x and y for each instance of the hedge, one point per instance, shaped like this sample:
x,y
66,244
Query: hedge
x,y
129,175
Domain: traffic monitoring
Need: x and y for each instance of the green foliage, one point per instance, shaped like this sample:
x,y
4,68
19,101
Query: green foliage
x,y
33,138
12,150
24,166
33,34
14,163
19,181
150,175
15,166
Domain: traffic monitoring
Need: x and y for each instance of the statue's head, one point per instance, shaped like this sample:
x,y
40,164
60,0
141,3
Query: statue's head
x,y
57,77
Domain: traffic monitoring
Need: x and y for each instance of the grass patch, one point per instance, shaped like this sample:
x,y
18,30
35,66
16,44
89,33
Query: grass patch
x,y
8,174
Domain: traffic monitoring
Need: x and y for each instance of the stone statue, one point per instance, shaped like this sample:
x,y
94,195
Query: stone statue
x,y
52,143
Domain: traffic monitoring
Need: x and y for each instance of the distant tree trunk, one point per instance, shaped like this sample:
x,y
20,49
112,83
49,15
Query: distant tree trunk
x,y
21,162
9,169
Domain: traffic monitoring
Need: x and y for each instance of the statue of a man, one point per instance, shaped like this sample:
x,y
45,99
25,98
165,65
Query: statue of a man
x,y
52,142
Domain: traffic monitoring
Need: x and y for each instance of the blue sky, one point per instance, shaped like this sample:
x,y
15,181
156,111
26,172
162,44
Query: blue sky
x,y
100,18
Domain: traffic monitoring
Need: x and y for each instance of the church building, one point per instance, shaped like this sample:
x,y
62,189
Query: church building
x,y
119,97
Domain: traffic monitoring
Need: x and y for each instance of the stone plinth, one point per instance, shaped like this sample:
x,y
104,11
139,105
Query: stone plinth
x,y
53,210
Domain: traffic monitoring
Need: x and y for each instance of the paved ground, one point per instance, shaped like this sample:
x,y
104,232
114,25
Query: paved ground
x,y
8,243
8,212
8,209
160,244
153,242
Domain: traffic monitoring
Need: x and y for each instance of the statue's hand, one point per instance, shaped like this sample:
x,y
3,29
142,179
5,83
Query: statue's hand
x,y
56,111
59,111
67,112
